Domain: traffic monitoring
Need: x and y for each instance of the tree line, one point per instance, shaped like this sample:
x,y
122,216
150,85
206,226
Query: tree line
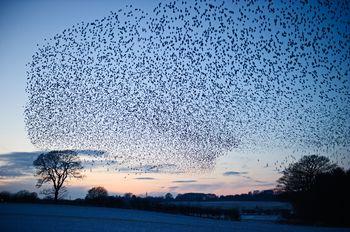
x,y
317,188
98,196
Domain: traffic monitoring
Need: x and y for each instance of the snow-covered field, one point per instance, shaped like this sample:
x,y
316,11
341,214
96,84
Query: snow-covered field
x,y
35,217
245,205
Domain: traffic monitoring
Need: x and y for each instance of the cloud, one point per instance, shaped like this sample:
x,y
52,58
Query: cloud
x,y
251,182
172,188
160,168
263,183
184,181
18,184
10,171
17,164
233,173
144,178
266,184
201,187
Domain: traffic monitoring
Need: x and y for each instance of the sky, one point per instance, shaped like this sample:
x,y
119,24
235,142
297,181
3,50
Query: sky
x,y
23,25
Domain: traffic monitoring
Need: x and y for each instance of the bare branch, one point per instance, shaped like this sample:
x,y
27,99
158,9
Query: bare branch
x,y
56,167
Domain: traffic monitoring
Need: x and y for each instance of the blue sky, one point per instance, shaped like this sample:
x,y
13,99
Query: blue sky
x,y
23,25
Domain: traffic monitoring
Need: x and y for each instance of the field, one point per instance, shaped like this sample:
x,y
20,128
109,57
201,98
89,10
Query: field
x,y
242,205
250,210
36,217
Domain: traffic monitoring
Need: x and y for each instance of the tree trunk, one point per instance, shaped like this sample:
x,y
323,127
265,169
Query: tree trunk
x,y
56,195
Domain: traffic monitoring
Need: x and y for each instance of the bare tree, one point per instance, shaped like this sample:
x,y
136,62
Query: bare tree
x,y
300,176
56,167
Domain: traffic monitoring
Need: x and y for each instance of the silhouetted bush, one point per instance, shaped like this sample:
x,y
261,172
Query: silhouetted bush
x,y
25,196
97,194
169,197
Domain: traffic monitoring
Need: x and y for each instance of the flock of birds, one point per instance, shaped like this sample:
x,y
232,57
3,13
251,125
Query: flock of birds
x,y
173,89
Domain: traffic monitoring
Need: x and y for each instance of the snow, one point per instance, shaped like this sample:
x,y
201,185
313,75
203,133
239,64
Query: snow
x,y
245,205
36,217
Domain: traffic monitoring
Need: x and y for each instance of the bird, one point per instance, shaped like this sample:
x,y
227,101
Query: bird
x,y
174,88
